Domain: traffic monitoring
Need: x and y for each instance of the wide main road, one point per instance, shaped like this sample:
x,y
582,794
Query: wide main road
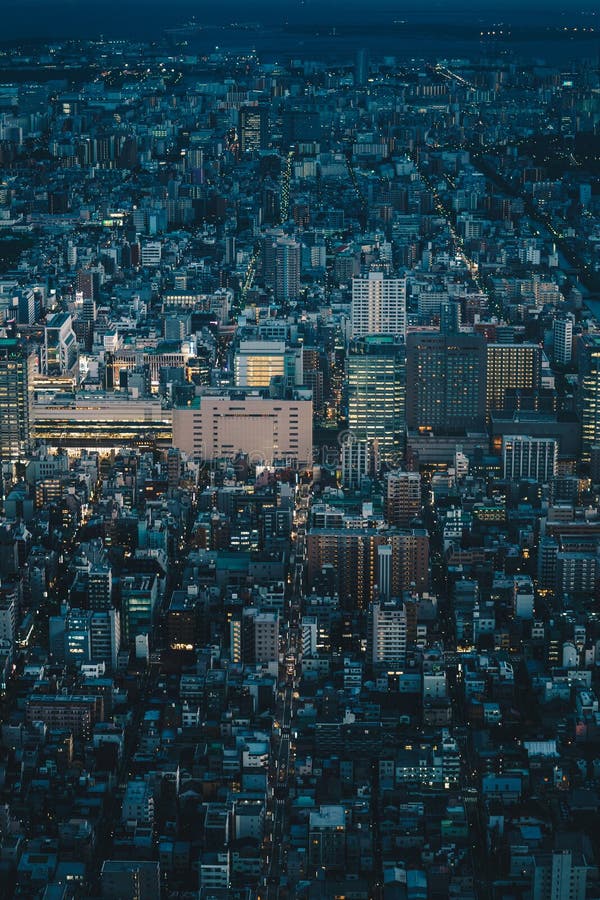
x,y
272,880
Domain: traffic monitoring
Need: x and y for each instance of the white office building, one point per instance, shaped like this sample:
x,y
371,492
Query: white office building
x,y
388,633
529,457
378,305
563,340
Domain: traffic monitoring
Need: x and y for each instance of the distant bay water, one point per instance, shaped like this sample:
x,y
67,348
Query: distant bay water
x,y
323,30
404,43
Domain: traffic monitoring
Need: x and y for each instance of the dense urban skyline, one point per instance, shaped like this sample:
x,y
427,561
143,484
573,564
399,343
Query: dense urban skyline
x,y
299,451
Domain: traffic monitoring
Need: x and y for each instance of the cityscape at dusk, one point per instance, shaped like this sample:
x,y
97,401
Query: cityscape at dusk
x,y
299,450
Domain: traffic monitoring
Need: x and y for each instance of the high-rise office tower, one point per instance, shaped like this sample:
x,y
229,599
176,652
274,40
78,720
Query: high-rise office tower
x,y
378,305
361,68
529,457
376,375
402,497
17,368
445,378
589,392
511,366
230,249
563,340
268,258
254,128
287,269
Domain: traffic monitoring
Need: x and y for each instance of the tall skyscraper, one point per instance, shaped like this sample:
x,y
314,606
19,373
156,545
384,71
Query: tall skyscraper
x,y
376,373
361,68
563,340
378,305
17,368
445,378
589,392
254,128
511,366
287,269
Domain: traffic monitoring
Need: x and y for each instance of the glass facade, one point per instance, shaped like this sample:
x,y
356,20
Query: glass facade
x,y
376,372
17,367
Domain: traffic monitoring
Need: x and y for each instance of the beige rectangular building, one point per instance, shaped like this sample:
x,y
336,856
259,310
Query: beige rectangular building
x,y
267,430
